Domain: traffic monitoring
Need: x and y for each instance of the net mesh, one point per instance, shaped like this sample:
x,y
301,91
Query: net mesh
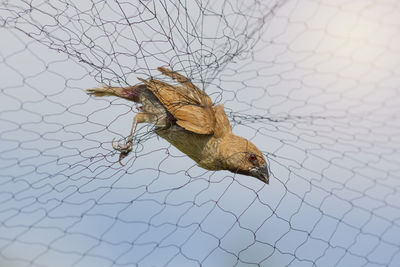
x,y
313,83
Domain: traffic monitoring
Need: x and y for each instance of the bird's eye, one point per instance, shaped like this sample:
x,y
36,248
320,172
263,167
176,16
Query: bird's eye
x,y
252,157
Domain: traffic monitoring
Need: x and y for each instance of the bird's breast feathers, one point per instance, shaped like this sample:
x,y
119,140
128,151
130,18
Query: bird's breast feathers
x,y
199,147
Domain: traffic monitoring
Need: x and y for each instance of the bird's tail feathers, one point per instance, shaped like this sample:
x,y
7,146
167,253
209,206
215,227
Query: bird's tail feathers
x,y
130,92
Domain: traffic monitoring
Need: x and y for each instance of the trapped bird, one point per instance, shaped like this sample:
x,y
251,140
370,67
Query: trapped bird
x,y
186,117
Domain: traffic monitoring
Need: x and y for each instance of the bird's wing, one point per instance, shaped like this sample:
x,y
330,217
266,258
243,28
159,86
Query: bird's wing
x,y
222,125
188,88
188,104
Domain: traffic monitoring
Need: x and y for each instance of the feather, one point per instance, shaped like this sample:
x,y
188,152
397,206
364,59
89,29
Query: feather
x,y
192,110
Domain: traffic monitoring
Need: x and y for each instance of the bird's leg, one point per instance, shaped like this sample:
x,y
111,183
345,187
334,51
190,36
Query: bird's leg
x,y
125,149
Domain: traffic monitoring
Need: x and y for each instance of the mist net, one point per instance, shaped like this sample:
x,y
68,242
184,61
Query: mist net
x,y
313,83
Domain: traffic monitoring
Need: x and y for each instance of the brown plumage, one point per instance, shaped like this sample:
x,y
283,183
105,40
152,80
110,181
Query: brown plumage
x,y
186,117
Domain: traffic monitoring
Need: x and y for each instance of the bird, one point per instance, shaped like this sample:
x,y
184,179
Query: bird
x,y
186,117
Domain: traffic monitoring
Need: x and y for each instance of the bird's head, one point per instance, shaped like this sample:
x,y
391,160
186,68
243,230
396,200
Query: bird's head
x,y
241,156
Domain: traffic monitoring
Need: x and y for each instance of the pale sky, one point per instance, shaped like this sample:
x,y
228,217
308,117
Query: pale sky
x,y
316,89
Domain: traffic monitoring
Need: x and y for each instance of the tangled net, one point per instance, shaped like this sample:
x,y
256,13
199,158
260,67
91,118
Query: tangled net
x,y
313,83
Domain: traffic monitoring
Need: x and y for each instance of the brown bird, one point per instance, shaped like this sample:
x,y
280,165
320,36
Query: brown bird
x,y
186,117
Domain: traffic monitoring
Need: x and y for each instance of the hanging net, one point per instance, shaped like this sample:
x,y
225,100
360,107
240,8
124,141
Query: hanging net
x,y
313,83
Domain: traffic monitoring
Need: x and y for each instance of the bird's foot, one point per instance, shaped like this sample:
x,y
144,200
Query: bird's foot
x,y
123,149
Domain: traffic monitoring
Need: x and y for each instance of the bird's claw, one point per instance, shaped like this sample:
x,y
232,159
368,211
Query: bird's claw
x,y
123,149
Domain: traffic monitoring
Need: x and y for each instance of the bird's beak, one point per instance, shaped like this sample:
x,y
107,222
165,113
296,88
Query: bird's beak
x,y
261,173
